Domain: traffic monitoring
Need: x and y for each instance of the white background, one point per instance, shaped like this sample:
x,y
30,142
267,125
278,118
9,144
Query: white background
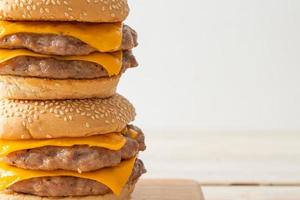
x,y
216,65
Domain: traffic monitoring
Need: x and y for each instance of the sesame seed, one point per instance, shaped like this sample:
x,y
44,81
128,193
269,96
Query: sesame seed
x,y
49,136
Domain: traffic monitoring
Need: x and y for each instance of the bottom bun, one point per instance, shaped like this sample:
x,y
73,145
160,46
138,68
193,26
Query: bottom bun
x,y
125,195
14,87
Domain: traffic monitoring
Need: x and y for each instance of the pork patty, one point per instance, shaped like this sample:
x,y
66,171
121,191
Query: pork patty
x,y
59,44
69,186
52,68
76,158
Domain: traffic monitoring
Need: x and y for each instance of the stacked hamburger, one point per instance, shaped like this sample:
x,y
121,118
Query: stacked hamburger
x,y
64,132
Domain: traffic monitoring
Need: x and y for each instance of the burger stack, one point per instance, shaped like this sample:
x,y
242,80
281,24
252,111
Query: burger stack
x,y
64,132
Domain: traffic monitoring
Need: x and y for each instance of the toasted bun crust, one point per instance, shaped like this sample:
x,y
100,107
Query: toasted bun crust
x,y
64,10
15,87
125,195
23,119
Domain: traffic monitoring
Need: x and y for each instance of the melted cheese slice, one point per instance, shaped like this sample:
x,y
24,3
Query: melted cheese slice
x,y
112,141
105,37
112,62
114,177
132,133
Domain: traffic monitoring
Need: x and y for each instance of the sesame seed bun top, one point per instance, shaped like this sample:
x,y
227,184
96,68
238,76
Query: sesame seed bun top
x,y
22,119
64,10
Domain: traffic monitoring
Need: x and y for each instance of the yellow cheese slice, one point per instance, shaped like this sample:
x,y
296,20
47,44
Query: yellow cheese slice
x,y
112,141
112,62
133,133
114,177
105,37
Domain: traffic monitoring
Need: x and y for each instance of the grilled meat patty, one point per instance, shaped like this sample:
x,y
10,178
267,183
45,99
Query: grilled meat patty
x,y
76,158
60,44
52,68
69,186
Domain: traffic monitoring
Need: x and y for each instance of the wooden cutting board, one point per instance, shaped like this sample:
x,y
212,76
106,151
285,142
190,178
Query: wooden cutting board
x,y
157,189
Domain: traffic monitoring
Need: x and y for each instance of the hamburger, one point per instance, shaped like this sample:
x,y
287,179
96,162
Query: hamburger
x,y
69,149
63,49
65,134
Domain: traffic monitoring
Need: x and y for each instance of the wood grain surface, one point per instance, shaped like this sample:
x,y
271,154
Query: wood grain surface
x,y
233,158
251,193
176,189
228,166
167,190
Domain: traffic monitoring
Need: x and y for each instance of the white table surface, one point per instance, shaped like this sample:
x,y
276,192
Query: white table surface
x,y
233,165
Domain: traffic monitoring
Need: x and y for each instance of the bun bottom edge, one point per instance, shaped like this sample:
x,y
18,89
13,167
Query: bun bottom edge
x,y
25,88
